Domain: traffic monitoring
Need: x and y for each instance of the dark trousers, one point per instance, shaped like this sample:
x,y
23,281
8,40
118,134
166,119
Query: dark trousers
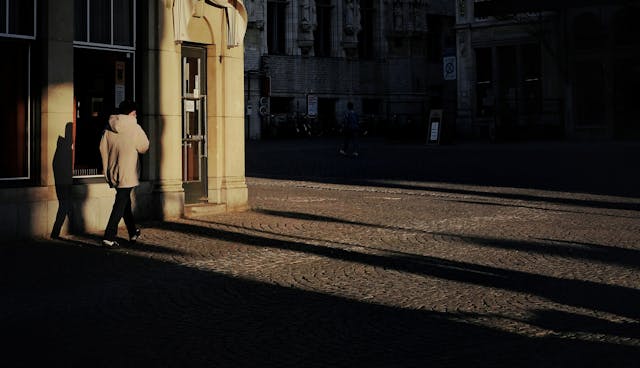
x,y
121,210
350,139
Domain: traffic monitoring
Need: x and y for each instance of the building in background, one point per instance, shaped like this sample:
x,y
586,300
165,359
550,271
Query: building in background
x,y
305,59
548,69
68,64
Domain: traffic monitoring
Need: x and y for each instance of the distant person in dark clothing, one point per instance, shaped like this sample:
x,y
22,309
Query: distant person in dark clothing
x,y
350,129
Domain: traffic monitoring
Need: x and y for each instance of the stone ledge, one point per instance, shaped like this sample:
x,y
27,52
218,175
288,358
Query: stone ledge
x,y
193,211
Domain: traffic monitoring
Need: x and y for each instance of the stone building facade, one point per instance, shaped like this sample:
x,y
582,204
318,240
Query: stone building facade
x,y
548,69
70,62
305,59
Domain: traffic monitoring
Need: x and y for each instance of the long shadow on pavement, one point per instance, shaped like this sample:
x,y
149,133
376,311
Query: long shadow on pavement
x,y
575,250
607,298
74,305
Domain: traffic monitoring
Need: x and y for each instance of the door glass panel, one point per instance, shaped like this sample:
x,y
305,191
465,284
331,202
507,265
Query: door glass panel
x,y
194,124
192,83
192,140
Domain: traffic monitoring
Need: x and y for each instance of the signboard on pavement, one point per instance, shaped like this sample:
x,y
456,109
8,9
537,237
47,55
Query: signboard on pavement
x,y
312,106
434,126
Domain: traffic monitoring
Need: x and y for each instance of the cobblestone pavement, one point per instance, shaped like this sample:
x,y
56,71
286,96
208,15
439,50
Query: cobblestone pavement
x,y
332,270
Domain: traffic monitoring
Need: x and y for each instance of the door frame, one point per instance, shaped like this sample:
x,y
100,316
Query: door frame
x,y
196,189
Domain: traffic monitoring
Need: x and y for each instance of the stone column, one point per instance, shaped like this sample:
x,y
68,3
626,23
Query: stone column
x,y
161,101
225,110
57,92
56,117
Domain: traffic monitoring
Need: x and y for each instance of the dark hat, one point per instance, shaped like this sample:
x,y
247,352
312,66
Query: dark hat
x,y
126,107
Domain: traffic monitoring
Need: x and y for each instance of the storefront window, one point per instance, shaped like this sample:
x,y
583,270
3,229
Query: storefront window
x,y
102,79
17,28
14,110
104,57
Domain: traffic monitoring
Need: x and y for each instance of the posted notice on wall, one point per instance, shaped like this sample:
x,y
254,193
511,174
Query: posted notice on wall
x,y
189,106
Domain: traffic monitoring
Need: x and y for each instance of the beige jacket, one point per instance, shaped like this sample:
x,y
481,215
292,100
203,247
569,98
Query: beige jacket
x,y
120,145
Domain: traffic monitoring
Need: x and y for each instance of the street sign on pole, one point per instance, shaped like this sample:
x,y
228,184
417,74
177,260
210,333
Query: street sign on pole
x,y
449,67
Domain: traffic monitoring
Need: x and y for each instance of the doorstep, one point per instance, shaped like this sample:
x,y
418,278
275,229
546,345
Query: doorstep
x,y
204,209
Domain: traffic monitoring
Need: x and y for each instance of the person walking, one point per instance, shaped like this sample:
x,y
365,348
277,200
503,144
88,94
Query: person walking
x,y
122,140
350,128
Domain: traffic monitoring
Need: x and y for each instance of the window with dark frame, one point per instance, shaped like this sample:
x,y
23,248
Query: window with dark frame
x,y
322,34
17,18
276,27
93,23
366,41
104,54
14,110
17,31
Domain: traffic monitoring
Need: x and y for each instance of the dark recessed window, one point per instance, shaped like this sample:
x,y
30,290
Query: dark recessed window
x,y
366,40
322,34
276,27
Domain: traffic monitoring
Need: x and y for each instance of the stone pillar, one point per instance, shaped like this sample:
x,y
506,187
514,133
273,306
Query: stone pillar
x,y
225,110
37,216
161,101
234,187
57,92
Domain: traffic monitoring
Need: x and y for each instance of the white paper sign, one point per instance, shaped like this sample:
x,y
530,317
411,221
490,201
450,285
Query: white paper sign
x,y
190,106
434,130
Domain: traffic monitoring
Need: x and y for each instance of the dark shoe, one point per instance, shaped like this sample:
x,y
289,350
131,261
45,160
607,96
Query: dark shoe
x,y
110,243
135,235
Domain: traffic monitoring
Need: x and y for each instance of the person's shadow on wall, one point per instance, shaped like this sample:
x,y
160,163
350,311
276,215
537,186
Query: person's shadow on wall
x,y
68,204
